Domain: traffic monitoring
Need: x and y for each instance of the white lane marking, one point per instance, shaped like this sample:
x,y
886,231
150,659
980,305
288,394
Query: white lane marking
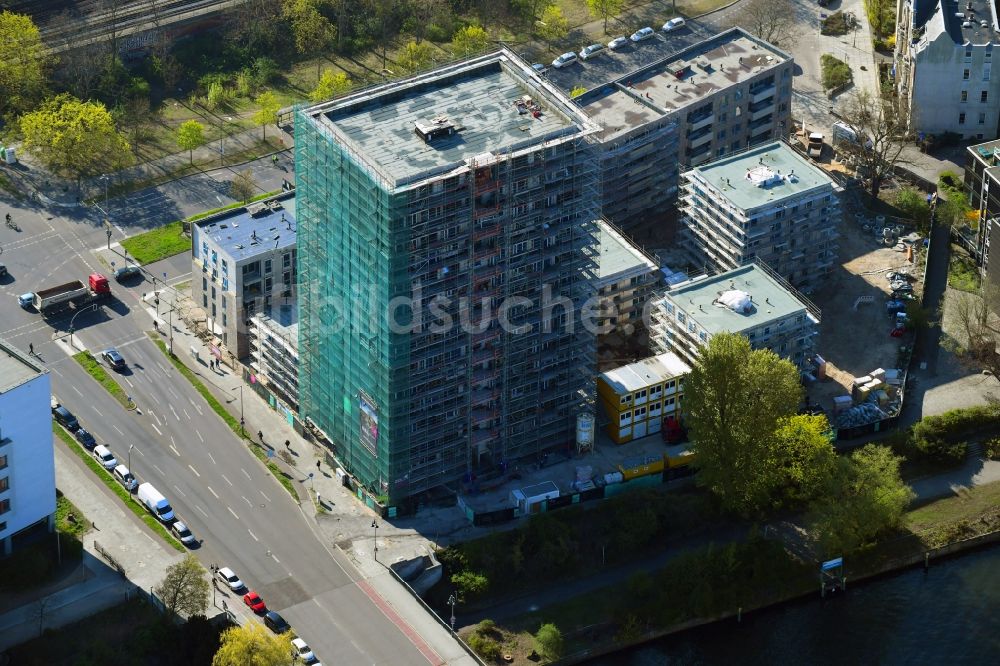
x,y
203,441
212,491
97,410
245,472
211,457
179,490
156,429
128,382
249,503
195,406
76,389
227,480
175,412
163,368
186,415
273,557
265,496
174,449
253,535
158,469
118,429
195,471
173,392
233,512
202,510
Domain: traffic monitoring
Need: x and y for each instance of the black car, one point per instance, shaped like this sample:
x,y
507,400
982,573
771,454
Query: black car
x,y
65,418
275,622
126,273
86,439
114,360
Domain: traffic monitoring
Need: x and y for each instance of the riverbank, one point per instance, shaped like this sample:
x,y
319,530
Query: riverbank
x,y
679,597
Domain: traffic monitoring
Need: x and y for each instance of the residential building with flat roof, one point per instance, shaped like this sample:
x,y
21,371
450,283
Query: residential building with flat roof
x,y
982,182
638,397
244,261
751,300
274,350
768,203
626,279
719,96
27,466
432,209
943,66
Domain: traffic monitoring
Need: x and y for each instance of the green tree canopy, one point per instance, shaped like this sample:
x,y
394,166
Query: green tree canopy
x,y
243,186
416,56
553,26
549,641
184,590
267,111
313,32
330,85
862,498
253,645
72,137
190,135
734,399
801,457
470,39
23,64
605,9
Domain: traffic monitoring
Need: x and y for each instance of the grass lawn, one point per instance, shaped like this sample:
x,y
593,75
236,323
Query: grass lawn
x,y
78,526
160,243
975,511
115,487
962,271
97,371
228,418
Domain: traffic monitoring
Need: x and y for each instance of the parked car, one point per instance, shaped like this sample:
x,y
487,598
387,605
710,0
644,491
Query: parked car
x,y
114,360
642,34
275,622
104,456
565,60
86,439
3,271
303,651
124,477
126,273
25,300
617,43
673,24
253,600
589,52
182,532
54,401
539,67
227,576
66,419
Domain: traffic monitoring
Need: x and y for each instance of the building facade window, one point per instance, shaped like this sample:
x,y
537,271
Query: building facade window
x,y
982,118
984,96
961,119
4,483
4,506
965,75
965,96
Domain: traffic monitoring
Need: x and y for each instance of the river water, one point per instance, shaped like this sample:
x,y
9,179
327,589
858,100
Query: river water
x,y
950,615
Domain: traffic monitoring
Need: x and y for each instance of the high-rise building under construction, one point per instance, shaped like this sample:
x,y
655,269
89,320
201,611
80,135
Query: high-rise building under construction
x,y
446,242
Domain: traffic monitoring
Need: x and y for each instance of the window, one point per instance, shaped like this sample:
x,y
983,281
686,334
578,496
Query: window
x,y
640,395
965,75
286,260
4,506
204,300
3,462
983,96
681,318
4,483
224,320
968,54
640,412
267,266
625,416
986,71
213,311
982,118
626,399
965,96
225,267
204,284
961,119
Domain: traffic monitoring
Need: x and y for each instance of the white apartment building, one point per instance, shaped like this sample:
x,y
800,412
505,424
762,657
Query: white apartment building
x,y
768,203
626,279
274,350
27,468
751,300
943,63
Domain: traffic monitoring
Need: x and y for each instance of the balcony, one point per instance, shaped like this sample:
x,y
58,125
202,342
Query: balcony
x,y
699,140
762,111
762,94
702,122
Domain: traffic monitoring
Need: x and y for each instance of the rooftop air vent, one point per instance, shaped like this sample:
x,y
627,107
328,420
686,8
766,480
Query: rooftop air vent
x,y
434,129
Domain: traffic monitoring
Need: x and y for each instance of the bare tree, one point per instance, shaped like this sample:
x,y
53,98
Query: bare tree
x,y
424,13
771,20
111,9
255,24
881,128
978,325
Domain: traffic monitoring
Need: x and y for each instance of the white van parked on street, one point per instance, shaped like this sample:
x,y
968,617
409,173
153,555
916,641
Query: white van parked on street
x,y
105,457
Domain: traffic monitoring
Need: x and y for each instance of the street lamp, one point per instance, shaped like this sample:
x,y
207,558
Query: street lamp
x,y
130,447
375,527
73,319
172,304
240,387
451,601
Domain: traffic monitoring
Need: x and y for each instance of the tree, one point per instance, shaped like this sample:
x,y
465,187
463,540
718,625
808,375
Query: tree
x,y
75,138
882,129
771,20
912,203
469,584
549,641
267,113
312,31
470,39
330,85
553,26
190,135
185,589
23,64
423,13
801,458
243,186
881,15
253,645
605,9
416,56
862,498
530,9
734,398
978,326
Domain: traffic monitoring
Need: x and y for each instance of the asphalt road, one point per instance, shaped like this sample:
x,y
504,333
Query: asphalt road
x,y
245,518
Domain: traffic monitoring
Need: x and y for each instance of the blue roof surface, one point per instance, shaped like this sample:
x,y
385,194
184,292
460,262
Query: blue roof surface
x,y
242,235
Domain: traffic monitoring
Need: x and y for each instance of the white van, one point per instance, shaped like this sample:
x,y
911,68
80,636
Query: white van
x,y
155,502
105,457
125,477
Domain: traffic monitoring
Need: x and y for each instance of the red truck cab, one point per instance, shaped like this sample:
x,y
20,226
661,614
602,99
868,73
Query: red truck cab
x,y
99,285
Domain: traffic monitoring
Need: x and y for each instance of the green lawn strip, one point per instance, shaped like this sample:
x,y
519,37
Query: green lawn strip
x,y
64,508
97,371
229,419
158,243
976,511
116,487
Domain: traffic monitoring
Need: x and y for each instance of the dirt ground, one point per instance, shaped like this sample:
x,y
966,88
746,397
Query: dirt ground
x,y
854,337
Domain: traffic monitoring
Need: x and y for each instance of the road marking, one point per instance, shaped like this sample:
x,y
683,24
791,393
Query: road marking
x,y
118,429
173,392
212,491
274,557
202,510
139,451
195,471
175,412
265,496
77,390
186,415
179,490
174,449
249,503
233,512
162,368
203,441
210,455
227,480
195,406
131,385
156,429
98,411
158,469
253,535
245,472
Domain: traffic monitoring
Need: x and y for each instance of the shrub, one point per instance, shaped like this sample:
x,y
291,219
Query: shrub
x,y
243,83
991,448
941,438
836,72
485,647
217,96
912,203
549,642
835,24
470,584
263,71
949,180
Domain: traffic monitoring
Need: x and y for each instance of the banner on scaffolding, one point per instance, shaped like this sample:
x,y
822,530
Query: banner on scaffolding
x,y
369,423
